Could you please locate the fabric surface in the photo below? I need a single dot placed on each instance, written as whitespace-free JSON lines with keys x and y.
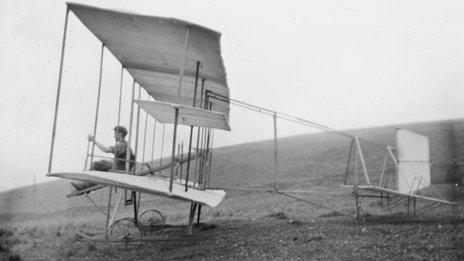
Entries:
{"x":152,"y":50}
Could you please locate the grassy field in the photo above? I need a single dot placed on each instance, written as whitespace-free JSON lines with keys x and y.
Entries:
{"x":262,"y":225}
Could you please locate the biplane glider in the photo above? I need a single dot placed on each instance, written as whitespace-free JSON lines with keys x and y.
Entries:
{"x":177,"y":63}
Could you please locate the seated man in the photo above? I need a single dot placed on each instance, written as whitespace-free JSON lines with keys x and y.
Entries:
{"x":119,"y":161}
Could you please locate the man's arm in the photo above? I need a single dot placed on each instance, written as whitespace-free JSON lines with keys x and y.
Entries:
{"x":99,"y":145}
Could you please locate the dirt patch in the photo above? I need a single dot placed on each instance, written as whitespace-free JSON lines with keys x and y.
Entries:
{"x":272,"y":238}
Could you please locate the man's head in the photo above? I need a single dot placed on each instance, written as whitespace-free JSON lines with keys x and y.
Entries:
{"x":120,"y":133}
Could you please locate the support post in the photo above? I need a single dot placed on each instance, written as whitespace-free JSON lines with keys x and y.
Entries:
{"x":275,"y":152}
{"x":153,"y":146}
{"x":120,"y":95}
{"x":115,"y":209}
{"x":35,"y":198}
{"x":108,"y":210}
{"x":130,"y":128}
{"x":356,"y":168}
{"x":363,"y":163}
{"x":145,"y":136}
{"x":348,"y":162}
{"x":173,"y":157}
{"x":199,"y":214}
{"x":137,"y":127}
{"x":193,"y":207}
{"x":162,"y":146}
{"x":58,"y":91}
{"x":98,"y":101}
{"x":134,"y":202}
{"x":197,"y":160}
{"x":383,"y":169}
{"x":187,"y":174}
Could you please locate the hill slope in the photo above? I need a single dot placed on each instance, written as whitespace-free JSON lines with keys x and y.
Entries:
{"x":306,"y":161}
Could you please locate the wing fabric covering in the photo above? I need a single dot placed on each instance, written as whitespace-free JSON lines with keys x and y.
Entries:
{"x":150,"y":185}
{"x":152,"y":50}
{"x":164,"y":113}
{"x":413,"y":161}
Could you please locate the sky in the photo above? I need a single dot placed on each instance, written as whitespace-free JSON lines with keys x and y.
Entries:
{"x":344,"y":64}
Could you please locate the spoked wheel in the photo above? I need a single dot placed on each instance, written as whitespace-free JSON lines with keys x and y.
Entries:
{"x":152,"y":220}
{"x":124,"y":235}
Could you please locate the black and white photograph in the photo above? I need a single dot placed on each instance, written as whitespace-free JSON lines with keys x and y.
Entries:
{"x":231,"y":130}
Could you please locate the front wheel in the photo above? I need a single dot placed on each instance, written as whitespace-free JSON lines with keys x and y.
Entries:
{"x":152,"y":220}
{"x":125,"y":235}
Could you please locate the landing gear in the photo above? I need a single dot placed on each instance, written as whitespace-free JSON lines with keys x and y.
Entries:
{"x":152,"y":221}
{"x":125,"y":235}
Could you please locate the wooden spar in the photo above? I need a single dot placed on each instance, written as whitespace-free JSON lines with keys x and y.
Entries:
{"x":275,"y":151}
{"x":383,"y":169}
{"x":363,"y":163}
{"x":145,"y":134}
{"x":395,"y":163}
{"x":35,"y":197}
{"x":134,"y":203}
{"x":116,"y":208}
{"x":191,"y":127}
{"x":110,"y":189}
{"x":177,"y":164}
{"x":184,"y":61}
{"x":356,"y":177}
{"x":162,"y":145}
{"x":207,"y":151}
{"x":204,"y":150}
{"x":130,"y":128}
{"x":210,"y":158}
{"x":348,"y":162}
{"x":198,"y":135}
{"x":181,"y":157}
{"x":98,"y":102}
{"x":176,"y":118}
{"x":193,"y":207}
{"x":392,"y":155}
{"x":87,"y":154}
{"x":120,"y":95}
{"x":153,"y":145}
{"x":137,"y":127}
{"x":58,"y":91}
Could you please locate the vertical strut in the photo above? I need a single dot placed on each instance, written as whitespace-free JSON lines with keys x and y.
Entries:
{"x":363,"y":163}
{"x":191,"y":128}
{"x":173,"y":156}
{"x":153,"y":146}
{"x":120,"y":95}
{"x":58,"y":91}
{"x":98,"y":102}
{"x":162,"y":147}
{"x":197,"y":160}
{"x":130,"y":128}
{"x":348,"y":162}
{"x":110,"y":191}
{"x":275,"y":151}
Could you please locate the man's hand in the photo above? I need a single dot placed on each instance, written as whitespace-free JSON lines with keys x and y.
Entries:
{"x":91,"y":138}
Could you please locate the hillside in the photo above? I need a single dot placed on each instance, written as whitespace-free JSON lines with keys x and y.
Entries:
{"x":306,"y":161}
{"x":260,"y":225}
